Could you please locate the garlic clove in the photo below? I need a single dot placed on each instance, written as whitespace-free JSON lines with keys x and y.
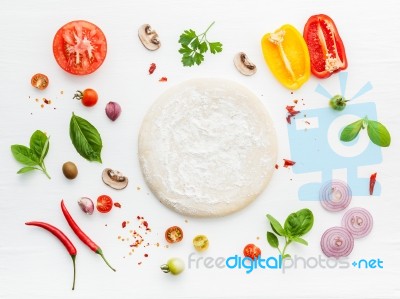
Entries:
{"x":86,"y":205}
{"x":113,"y":110}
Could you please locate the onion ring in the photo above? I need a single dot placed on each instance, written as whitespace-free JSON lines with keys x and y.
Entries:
{"x":335,"y":195}
{"x":358,"y":221}
{"x":337,"y":242}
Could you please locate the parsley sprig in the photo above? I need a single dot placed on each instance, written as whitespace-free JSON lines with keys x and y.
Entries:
{"x":193,"y":46}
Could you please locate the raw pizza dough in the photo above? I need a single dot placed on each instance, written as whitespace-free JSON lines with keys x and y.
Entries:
{"x":207,"y":147}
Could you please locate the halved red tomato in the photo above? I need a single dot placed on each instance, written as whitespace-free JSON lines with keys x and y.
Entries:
{"x":79,"y":47}
{"x":327,"y":54}
{"x":174,"y":234}
{"x":251,"y":251}
{"x":104,"y":204}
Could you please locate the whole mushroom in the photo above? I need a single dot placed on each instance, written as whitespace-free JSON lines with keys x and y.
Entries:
{"x":114,"y":179}
{"x":149,"y":37}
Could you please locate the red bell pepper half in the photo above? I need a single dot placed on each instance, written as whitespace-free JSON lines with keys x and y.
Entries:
{"x":327,"y":54}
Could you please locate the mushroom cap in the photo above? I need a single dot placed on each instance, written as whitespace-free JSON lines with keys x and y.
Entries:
{"x":244,"y":65}
{"x":149,"y":37}
{"x":114,"y":179}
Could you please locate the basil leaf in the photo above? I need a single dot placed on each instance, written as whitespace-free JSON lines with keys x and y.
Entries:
{"x":276,"y":225}
{"x":37,"y":144}
{"x":27,"y":169}
{"x":24,"y":155}
{"x":272,"y":240}
{"x":299,"y":223}
{"x":300,"y":240}
{"x":85,"y":138}
{"x":351,"y":131}
{"x":378,"y":133}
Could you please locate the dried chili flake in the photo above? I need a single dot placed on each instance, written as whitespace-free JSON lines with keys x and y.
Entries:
{"x":123,"y":224}
{"x":163,"y":79}
{"x":276,"y":166}
{"x":295,"y":101}
{"x":307,"y":122}
{"x":372,"y":181}
{"x":288,"y":163}
{"x":288,"y":119}
{"x":152,"y":68}
{"x":117,"y":204}
{"x":291,"y":113}
{"x":146,"y":255}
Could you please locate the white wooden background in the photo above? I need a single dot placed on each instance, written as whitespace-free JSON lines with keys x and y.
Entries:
{"x":34,"y":265}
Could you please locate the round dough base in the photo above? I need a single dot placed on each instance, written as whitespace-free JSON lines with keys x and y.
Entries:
{"x":207,"y":147}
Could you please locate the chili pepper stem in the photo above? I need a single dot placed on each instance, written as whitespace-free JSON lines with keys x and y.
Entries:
{"x":73,"y":262}
{"x":100,"y":252}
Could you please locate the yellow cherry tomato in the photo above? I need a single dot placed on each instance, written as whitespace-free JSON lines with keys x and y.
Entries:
{"x":286,"y":54}
{"x":200,"y":243}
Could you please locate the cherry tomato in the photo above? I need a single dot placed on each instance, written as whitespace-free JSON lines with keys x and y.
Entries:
{"x":174,"y":266}
{"x":174,"y":234}
{"x":104,"y":204}
{"x":88,"y":97}
{"x":40,"y":81}
{"x":79,"y":47}
{"x":251,"y":251}
{"x":200,"y":243}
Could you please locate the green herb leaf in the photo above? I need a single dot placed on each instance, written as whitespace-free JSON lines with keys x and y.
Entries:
{"x":187,"y":36}
{"x":272,"y":240}
{"x":299,"y":223}
{"x":378,"y":133}
{"x":85,"y":138}
{"x":193,"y":46}
{"x":276,"y":225}
{"x":351,"y":131}
{"x":286,"y":256}
{"x":300,"y":240}
{"x":27,"y":169}
{"x":24,"y":155}
{"x":37,"y":144}
{"x":187,"y":60}
{"x":215,"y":47}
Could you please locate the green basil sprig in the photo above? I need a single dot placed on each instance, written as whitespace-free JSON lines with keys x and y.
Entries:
{"x":377,"y":132}
{"x":85,"y":138}
{"x":296,"y":225}
{"x":32,"y":157}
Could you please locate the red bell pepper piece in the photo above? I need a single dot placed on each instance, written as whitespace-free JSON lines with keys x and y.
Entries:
{"x":327,"y":53}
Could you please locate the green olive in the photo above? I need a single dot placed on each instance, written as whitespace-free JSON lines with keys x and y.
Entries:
{"x":70,"y":170}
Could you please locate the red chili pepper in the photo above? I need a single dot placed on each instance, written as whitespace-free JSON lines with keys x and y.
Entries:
{"x":163,"y":79}
{"x":152,"y":68}
{"x":372,"y":181}
{"x":62,"y":237}
{"x":81,"y":235}
{"x":327,"y":53}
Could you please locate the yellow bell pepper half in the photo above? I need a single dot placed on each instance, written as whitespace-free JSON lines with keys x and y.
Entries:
{"x":286,"y":54}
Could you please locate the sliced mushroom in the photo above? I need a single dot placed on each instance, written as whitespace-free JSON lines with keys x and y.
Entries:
{"x":244,"y":65}
{"x":149,"y":37}
{"x":114,"y":179}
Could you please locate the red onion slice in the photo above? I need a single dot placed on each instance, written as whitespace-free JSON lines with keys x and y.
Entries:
{"x":337,"y":242}
{"x":335,"y":195}
{"x":358,"y":221}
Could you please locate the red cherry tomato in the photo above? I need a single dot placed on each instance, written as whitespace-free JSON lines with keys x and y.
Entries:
{"x":174,"y":234}
{"x":327,"y":53}
{"x":40,"y":81}
{"x":88,"y":97}
{"x":251,"y":251}
{"x":79,"y":47}
{"x":104,"y":204}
